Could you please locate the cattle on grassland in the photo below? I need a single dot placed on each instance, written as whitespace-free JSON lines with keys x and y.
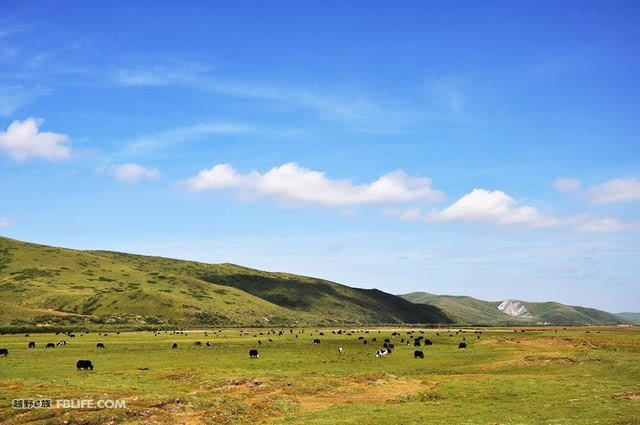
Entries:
{"x":100,"y":345}
{"x":197,"y":343}
{"x":462,"y":345}
{"x":382,"y":353}
{"x":175,"y":345}
{"x":50,"y":345}
{"x":32,"y":344}
{"x":418,"y":354}
{"x":416,"y":343}
{"x":428,"y":342}
{"x":4,"y":351}
{"x":253,"y":354}
{"x":84,"y":365}
{"x":316,"y":341}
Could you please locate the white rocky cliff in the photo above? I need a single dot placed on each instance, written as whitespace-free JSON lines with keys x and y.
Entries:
{"x":514,"y":308}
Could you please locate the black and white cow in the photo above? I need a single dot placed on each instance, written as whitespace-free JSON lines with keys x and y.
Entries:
{"x":253,"y":354}
{"x":382,"y":353}
{"x":32,"y":344}
{"x":316,"y":341}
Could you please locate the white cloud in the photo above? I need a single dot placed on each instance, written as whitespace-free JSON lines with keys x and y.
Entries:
{"x":493,"y":207}
{"x":5,"y":222}
{"x":23,"y":140}
{"x":566,"y":184}
{"x":130,"y":173}
{"x":617,"y":190}
{"x":499,"y":209}
{"x":291,"y":184}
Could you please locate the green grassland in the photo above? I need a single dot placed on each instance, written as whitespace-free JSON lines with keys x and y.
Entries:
{"x":48,"y":286}
{"x":555,"y":376}
{"x":470,"y":310}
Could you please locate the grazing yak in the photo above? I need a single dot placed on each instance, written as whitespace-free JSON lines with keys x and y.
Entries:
{"x":253,"y":354}
{"x":175,"y":345}
{"x":418,"y":354}
{"x":84,"y":364}
{"x":50,"y":345}
{"x":197,"y":343}
{"x":462,"y":345}
{"x":416,"y":343}
{"x":208,"y":344}
{"x":316,"y":341}
{"x":100,"y":345}
{"x":382,"y":353}
{"x":61,"y":343}
{"x":428,"y":342}
{"x":4,"y":351}
{"x":32,"y":344}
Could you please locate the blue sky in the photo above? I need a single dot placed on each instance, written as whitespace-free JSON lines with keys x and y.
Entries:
{"x":483,"y":148}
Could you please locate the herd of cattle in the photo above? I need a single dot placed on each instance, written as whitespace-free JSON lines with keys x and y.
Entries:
{"x":386,"y":349}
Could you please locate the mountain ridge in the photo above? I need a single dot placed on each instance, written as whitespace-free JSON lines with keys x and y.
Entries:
{"x":469,"y":310}
{"x":43,"y":285}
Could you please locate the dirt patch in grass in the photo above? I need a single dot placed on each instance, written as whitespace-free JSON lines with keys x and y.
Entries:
{"x":630,"y":396}
{"x":549,"y":359}
{"x":387,"y":388}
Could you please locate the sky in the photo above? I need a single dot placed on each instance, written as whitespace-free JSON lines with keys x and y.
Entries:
{"x":489,"y":149}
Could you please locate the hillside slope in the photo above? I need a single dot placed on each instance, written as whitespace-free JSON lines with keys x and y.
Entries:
{"x":47,"y":285}
{"x":632,"y":317}
{"x":468,"y":310}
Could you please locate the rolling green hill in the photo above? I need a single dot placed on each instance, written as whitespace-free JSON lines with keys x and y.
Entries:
{"x":42,"y":285}
{"x":468,"y":310}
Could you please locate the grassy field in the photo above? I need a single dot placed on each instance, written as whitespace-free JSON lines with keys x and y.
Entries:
{"x":578,"y":375}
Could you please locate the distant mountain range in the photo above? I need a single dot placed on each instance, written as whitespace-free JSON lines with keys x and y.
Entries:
{"x":468,"y":310}
{"x":43,"y":285}
{"x":632,"y":317}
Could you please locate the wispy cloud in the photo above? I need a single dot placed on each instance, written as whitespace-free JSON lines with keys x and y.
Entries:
{"x":23,"y":140}
{"x":341,"y":103}
{"x":332,"y":103}
{"x":181,"y":134}
{"x":15,"y":96}
{"x":616,"y":190}
{"x":587,"y":224}
{"x":566,"y":184}
{"x":130,"y":173}
{"x":293,"y":185}
{"x":5,"y":222}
